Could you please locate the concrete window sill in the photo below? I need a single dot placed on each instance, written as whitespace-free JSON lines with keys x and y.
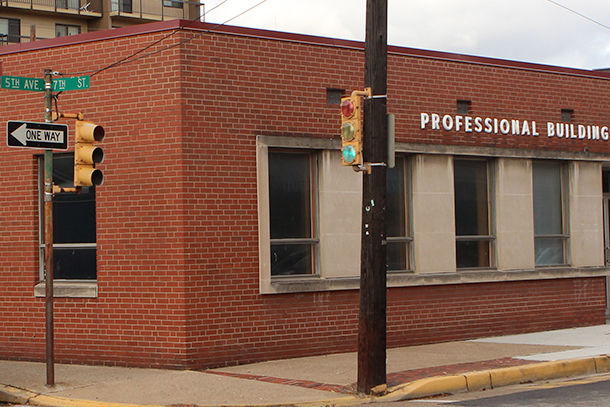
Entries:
{"x":408,"y":279}
{"x":69,"y":289}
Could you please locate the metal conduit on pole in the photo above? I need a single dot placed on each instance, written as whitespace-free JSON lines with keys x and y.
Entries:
{"x":48,"y":234}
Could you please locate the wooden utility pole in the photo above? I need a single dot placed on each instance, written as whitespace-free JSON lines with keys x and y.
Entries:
{"x":372,"y":323}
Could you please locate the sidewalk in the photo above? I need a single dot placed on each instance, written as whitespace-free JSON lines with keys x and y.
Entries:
{"x":415,"y":371}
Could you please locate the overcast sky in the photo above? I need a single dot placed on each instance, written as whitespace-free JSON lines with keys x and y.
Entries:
{"x":522,"y":30}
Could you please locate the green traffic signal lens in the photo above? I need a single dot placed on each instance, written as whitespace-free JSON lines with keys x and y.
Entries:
{"x":347,"y":131}
{"x":349,"y":154}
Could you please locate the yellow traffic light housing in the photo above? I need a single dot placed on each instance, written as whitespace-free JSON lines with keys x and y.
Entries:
{"x":87,"y":154}
{"x":352,"y":127}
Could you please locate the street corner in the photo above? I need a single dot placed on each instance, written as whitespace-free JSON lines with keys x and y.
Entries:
{"x":430,"y":386}
{"x":19,"y":396}
{"x":54,"y":401}
{"x":15,"y":395}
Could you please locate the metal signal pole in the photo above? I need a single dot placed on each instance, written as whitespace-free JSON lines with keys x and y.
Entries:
{"x":48,"y":234}
{"x":372,"y":323}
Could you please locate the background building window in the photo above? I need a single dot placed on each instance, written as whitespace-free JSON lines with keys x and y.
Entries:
{"x":74,"y":236}
{"x":549,"y":213}
{"x":292,"y":209}
{"x":173,"y":3}
{"x":62,"y":30}
{"x":10,"y":30}
{"x":122,"y":6}
{"x":474,"y":239}
{"x":398,"y":257}
{"x":68,"y":4}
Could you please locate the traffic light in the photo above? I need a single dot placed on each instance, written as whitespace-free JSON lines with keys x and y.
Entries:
{"x":351,"y":128}
{"x":87,"y":154}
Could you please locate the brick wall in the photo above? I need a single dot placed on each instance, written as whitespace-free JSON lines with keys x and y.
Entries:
{"x":138,"y":317}
{"x":443,"y":313}
{"x":177,"y":214}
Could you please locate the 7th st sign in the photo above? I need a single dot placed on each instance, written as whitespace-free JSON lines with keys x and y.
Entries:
{"x":37,"y":135}
{"x":36,"y":84}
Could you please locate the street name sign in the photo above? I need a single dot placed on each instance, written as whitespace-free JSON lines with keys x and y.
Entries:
{"x":74,"y":83}
{"x":36,"y":84}
{"x":37,"y":135}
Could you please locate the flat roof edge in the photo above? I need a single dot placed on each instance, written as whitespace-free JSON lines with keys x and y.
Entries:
{"x":91,"y":36}
{"x":397,"y":50}
{"x":292,"y":37}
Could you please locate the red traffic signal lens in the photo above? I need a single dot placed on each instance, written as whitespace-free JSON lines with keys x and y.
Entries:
{"x":347,"y":108}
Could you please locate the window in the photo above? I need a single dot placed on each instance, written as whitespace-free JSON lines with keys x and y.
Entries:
{"x":567,"y":115}
{"x":550,"y":233}
{"x":292,"y":211}
{"x":398,"y":257}
{"x":122,"y":6}
{"x":74,"y":237}
{"x":173,"y":3}
{"x":463,"y":106}
{"x":62,"y":30}
{"x":10,"y":30}
{"x":68,"y":4}
{"x":474,"y":239}
{"x":333,"y":96}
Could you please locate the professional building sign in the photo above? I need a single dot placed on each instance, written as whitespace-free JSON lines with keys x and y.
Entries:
{"x":490,"y":125}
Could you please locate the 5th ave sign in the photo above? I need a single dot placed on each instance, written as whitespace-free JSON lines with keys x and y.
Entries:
{"x":37,"y":135}
{"x":36,"y":84}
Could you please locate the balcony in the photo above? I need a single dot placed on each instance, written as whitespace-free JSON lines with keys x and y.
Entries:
{"x":6,"y":39}
{"x":149,"y":10}
{"x":87,"y":8}
{"x":154,"y":10}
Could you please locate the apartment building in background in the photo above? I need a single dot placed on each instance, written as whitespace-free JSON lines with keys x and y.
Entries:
{"x":25,"y":20}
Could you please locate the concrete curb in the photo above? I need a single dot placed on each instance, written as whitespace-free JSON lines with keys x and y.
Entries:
{"x":14,"y":395}
{"x":10,"y":394}
{"x":489,"y":379}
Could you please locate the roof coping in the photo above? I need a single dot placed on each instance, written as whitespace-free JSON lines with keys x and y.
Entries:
{"x":292,"y":37}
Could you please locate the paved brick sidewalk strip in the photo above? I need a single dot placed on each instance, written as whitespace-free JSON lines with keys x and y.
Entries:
{"x":393,"y":379}
{"x":337,"y":388}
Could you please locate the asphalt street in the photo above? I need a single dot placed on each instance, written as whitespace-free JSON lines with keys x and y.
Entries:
{"x":595,"y":394}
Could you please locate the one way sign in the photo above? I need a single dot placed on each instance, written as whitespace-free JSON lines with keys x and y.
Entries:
{"x":37,"y":135}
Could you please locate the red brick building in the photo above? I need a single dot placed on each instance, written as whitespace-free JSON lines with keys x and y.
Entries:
{"x":227,"y":230}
